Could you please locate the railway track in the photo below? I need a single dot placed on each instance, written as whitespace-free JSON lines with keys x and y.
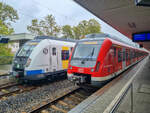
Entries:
{"x":63,"y":103}
{"x":71,"y":99}
{"x":6,"y":74}
{"x":8,"y":85}
{"x":13,"y":88}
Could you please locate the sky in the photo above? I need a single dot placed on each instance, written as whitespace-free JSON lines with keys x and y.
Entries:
{"x":64,"y":11}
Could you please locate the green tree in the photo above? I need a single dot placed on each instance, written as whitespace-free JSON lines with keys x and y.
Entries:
{"x":47,"y":26}
{"x":7,"y":15}
{"x":94,"y":26}
{"x":88,"y":27}
{"x":67,"y":31}
{"x":76,"y":32}
{"x":83,"y":28}
{"x":4,"y":29}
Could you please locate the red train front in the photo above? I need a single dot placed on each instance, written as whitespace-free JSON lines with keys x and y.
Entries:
{"x":101,"y":57}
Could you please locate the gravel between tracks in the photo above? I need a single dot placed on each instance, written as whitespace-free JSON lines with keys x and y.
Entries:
{"x":25,"y":101}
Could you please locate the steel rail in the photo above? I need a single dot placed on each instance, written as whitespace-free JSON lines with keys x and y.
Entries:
{"x":45,"y":104}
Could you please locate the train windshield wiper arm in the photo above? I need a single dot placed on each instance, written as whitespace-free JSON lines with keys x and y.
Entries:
{"x":88,"y":56}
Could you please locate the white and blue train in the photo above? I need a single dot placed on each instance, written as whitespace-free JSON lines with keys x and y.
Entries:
{"x":42,"y":58}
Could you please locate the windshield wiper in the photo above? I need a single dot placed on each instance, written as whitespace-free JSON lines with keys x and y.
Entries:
{"x":88,"y":56}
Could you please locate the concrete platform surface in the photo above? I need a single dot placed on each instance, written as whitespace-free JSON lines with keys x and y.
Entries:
{"x":98,"y":102}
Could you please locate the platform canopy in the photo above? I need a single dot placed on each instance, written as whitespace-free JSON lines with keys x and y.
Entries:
{"x":123,"y":15}
{"x":20,"y":36}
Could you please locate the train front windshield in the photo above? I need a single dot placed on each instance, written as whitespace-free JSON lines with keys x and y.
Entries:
{"x":85,"y":54}
{"x":26,"y":50}
{"x":85,"y":51}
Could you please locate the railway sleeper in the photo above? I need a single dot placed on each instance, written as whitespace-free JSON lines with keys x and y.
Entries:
{"x":66,"y":104}
{"x":76,"y":98}
{"x":58,"y":109}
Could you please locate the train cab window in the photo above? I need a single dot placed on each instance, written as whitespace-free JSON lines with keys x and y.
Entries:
{"x":65,"y":54}
{"x":54,"y":51}
{"x":119,"y":56}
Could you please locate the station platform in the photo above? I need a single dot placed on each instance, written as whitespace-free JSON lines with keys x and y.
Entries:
{"x":128,"y":93}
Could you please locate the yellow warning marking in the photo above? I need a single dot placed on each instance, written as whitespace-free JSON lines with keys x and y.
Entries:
{"x":33,"y":43}
{"x":89,"y":42}
{"x":65,"y":62}
{"x":65,"y":48}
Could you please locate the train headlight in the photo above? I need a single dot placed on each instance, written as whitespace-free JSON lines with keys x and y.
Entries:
{"x":28,"y":62}
{"x":92,"y":70}
{"x":70,"y":67}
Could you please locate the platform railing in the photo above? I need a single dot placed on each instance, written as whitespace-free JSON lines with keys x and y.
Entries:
{"x":115,"y":104}
{"x":122,"y":95}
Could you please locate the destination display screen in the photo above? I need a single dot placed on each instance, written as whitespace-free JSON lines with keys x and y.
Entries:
{"x":141,"y":37}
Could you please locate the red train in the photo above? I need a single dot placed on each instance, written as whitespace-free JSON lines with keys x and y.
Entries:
{"x":100,"y":57}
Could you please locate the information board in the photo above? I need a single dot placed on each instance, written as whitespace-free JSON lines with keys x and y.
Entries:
{"x":141,"y":37}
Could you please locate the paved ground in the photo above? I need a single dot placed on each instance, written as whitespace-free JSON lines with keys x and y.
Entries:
{"x":142,"y":90}
{"x":97,"y":103}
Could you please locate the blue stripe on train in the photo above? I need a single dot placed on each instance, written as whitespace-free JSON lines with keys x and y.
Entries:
{"x":34,"y":72}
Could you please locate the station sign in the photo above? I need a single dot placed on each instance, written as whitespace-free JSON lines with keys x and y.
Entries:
{"x":141,"y":37}
{"x":4,"y":39}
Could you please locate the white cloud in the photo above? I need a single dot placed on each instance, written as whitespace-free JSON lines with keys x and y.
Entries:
{"x":65,"y":12}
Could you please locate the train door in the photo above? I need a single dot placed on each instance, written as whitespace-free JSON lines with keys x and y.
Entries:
{"x":114,"y":59}
{"x":119,"y":64}
{"x":130,"y":56}
{"x":54,"y":58}
{"x":65,"y":57}
{"x":124,"y":58}
{"x":127,"y":57}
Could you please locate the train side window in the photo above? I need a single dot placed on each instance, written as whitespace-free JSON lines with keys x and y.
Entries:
{"x":65,"y":54}
{"x":124,"y":55}
{"x":119,"y":56}
{"x":54,"y":51}
{"x":133,"y":54}
{"x":114,"y":51}
{"x":130,"y":55}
